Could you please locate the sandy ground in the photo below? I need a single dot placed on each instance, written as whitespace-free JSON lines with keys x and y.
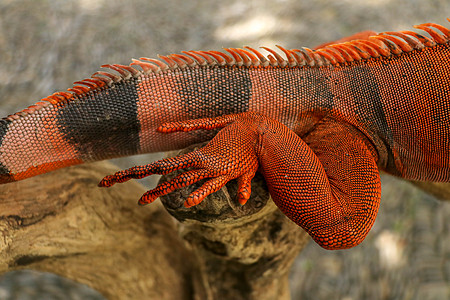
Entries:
{"x":46,"y":45}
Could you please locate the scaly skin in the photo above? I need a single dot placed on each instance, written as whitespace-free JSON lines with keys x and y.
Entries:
{"x":317,"y":124}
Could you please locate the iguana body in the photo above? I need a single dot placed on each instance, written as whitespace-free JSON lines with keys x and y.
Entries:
{"x":317,"y":124}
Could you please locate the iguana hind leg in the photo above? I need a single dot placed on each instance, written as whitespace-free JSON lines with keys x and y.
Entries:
{"x":330,"y":187}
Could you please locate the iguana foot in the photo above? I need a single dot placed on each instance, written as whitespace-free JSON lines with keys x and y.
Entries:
{"x":229,"y":155}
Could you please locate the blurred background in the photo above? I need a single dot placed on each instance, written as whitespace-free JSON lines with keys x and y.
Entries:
{"x":45,"y":45}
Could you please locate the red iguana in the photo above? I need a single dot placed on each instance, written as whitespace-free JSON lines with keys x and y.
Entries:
{"x":318,"y":124}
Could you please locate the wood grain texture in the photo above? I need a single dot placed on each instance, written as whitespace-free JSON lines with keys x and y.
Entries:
{"x":62,"y":223}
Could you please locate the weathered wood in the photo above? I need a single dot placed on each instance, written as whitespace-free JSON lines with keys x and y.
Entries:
{"x":62,"y":223}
